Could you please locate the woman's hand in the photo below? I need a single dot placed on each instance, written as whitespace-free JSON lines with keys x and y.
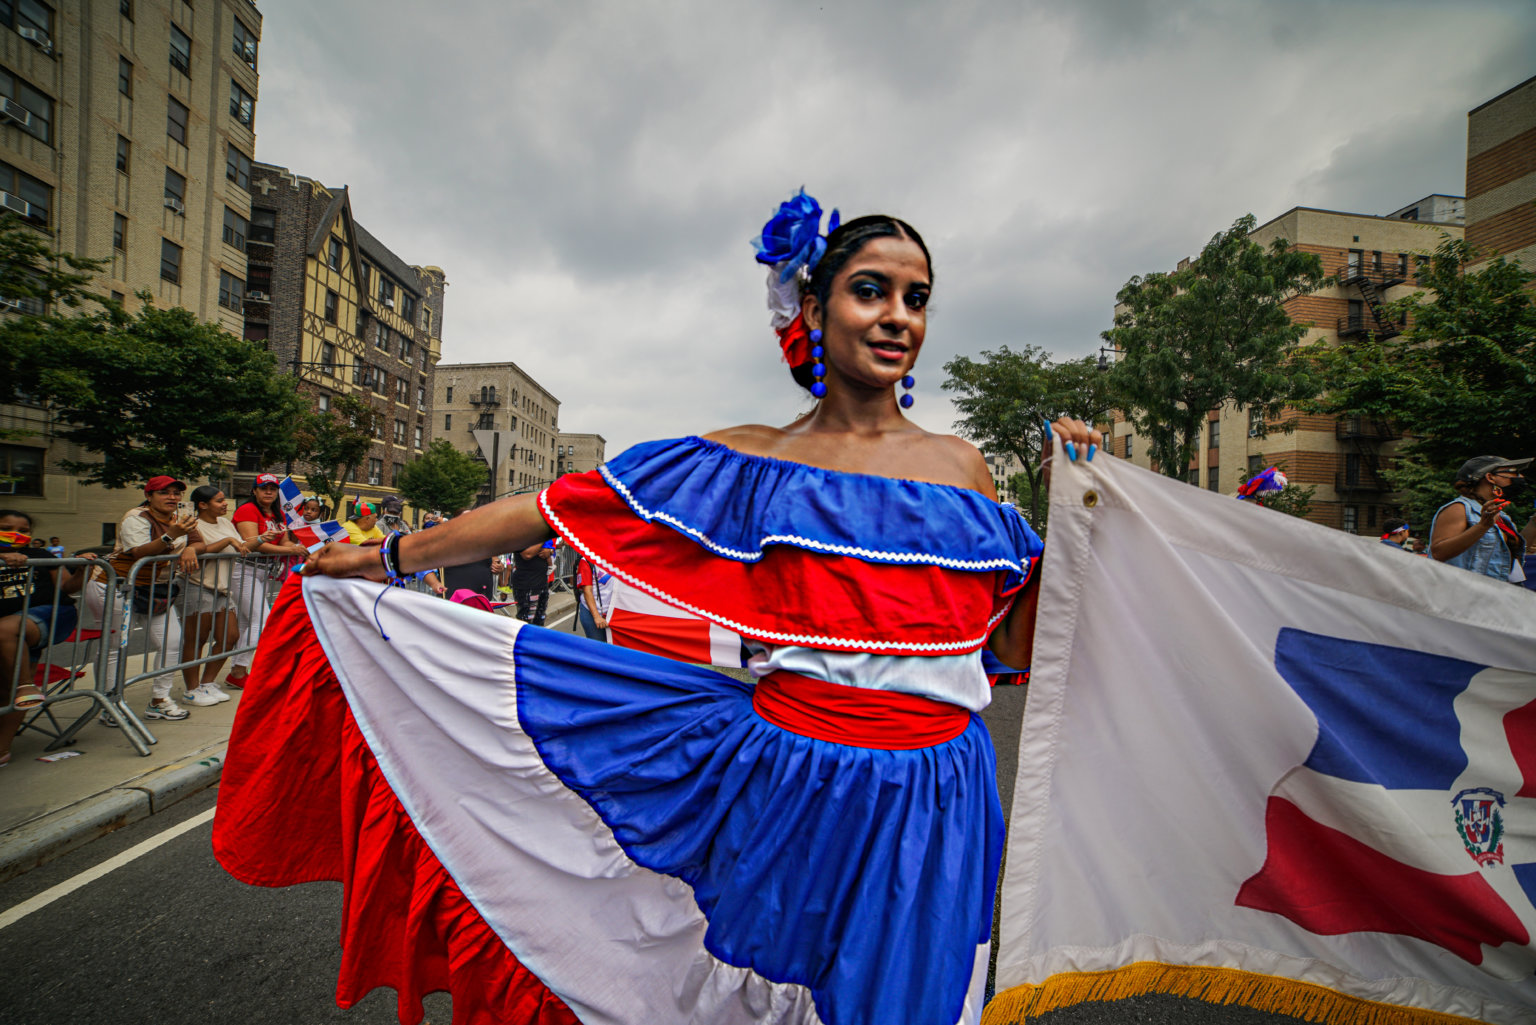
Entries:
{"x":1491,"y":510}
{"x":298,"y":550}
{"x":188,"y":560}
{"x":181,"y":526}
{"x":1078,"y":439}
{"x":343,"y":560}
{"x":13,"y":559}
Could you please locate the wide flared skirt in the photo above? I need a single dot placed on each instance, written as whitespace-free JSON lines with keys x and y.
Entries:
{"x":555,"y":830}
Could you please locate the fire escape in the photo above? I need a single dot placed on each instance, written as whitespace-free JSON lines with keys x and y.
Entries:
{"x":1368,"y":314}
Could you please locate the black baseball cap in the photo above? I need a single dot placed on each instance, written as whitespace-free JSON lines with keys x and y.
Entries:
{"x":1478,"y":467}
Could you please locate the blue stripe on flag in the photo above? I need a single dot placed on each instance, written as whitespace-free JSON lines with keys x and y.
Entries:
{"x":1384,"y":715}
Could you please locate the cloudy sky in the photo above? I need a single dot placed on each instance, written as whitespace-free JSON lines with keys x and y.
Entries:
{"x":588,"y":172}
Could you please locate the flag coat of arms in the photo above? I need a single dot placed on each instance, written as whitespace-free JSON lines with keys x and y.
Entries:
{"x":1271,"y":764}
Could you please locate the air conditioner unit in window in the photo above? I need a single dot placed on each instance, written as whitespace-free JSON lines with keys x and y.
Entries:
{"x":172,"y":203}
{"x":37,"y":37}
{"x":7,"y":487}
{"x":15,"y":203}
{"x":389,"y":304}
{"x":257,"y":296}
{"x":14,"y":305}
{"x":16,"y":113}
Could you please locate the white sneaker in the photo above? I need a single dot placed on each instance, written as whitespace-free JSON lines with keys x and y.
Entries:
{"x":215,"y":690}
{"x":166,"y":709}
{"x":201,"y":697}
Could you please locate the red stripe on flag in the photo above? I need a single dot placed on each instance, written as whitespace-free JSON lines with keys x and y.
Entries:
{"x":680,"y":638}
{"x":1520,"y":731}
{"x":1329,"y":883}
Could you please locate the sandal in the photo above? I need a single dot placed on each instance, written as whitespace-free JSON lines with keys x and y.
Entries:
{"x":29,"y":695}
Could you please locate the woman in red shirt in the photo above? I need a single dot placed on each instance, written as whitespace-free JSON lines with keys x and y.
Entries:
{"x":261,"y":516}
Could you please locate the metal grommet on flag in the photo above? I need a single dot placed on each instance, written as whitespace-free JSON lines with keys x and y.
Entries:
{"x":1090,"y":498}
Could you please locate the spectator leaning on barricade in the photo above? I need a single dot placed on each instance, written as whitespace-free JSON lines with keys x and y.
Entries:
{"x":264,"y":529}
{"x":206,"y":609}
{"x":49,"y":618}
{"x":1474,"y":531}
{"x":154,"y":528}
{"x":594,"y":598}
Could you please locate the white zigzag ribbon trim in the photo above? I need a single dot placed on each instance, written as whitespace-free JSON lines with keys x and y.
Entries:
{"x":804,"y":640}
{"x":798,"y":541}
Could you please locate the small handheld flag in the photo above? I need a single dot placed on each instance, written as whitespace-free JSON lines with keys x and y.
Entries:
{"x":1270,"y":480}
{"x":293,"y":503}
{"x":318,"y":535}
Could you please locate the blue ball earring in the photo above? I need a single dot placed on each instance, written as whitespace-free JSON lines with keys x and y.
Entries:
{"x":907,"y":383}
{"x":819,"y":370}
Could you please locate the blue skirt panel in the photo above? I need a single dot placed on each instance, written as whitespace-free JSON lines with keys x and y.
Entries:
{"x":865,"y":875}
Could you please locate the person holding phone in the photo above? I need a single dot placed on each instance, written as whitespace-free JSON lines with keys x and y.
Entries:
{"x":264,"y":529}
{"x":1482,"y":537}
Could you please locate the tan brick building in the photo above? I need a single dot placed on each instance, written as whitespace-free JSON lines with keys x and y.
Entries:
{"x":126,"y":133}
{"x":578,"y":453}
{"x":500,"y":397}
{"x":1372,"y":261}
{"x":345,"y":315}
{"x":1501,"y":174}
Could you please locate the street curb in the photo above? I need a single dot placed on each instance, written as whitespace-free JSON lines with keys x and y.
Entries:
{"x":41,"y":840}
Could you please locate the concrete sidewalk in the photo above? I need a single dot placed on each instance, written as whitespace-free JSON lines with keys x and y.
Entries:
{"x":48,"y":808}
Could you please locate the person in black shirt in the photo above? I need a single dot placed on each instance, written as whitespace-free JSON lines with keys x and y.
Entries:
{"x":530,"y":582}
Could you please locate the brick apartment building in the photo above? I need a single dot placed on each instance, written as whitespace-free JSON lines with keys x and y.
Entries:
{"x":1501,"y":174}
{"x":500,"y":397}
{"x":344,"y":314}
{"x":1372,"y":260}
{"x":578,"y":453}
{"x":127,"y":129}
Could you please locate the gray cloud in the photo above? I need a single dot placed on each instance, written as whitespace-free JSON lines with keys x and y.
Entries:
{"x":588,"y":173}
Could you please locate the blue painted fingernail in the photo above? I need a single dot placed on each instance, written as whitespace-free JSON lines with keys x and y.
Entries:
{"x":1091,"y":450}
{"x":1047,"y":430}
{"x":1071,"y":451}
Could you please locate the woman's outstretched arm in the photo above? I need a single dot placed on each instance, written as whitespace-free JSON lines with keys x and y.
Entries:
{"x":508,"y":525}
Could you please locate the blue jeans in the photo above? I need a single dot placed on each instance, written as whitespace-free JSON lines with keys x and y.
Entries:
{"x":589,"y":624}
{"x":62,"y":628}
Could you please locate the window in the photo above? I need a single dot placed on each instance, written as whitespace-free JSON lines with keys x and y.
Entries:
{"x":1351,"y":518}
{"x":408,"y":307}
{"x":1128,"y":446}
{"x":1402,"y":265}
{"x":418,"y":435}
{"x":448,"y":397}
{"x":242,"y":105}
{"x":35,"y":116}
{"x":176,"y":119}
{"x":381,"y":337}
{"x":231,"y":291}
{"x":426,"y":319}
{"x":120,"y":233}
{"x":367,"y":275}
{"x":376,"y":472}
{"x":323,"y":403}
{"x":170,"y":261}
{"x":181,"y":51}
{"x":125,"y":77}
{"x":405,"y":348}
{"x":258,"y":278}
{"x":24,"y":469}
{"x":328,"y":358}
{"x":126,"y":8}
{"x":1193,"y":476}
{"x":25,"y":195}
{"x":1212,"y":479}
{"x":394,"y":480}
{"x":387,"y":291}
{"x":1255,"y":464}
{"x":118,"y":297}
{"x":1370,"y":516}
{"x":175,"y":191}
{"x":399,"y":432}
{"x":421,"y":397}
{"x":333,"y":253}
{"x":1215,"y":434}
{"x":402,"y":391}
{"x":263,"y":225}
{"x":122,"y":154}
{"x":380,"y":386}
{"x":245,"y":44}
{"x":447,"y":421}
{"x":331,"y":300}
{"x":235,"y":229}
{"x":237,"y":168}
{"x":1255,"y":421}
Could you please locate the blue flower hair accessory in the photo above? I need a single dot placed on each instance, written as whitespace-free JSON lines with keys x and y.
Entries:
{"x":792,"y":238}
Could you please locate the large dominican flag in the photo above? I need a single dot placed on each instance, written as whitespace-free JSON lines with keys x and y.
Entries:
{"x":1271,"y":764}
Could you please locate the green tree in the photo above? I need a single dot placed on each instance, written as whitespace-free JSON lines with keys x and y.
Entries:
{"x":333,"y":443}
{"x":151,"y":392}
{"x":1459,"y":381}
{"x":443,"y":478}
{"x":1006,"y":398}
{"x":1213,"y":333}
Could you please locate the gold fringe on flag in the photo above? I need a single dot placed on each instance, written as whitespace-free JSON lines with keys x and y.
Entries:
{"x":1271,"y":993}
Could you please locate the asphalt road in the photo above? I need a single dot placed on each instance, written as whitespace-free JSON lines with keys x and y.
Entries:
{"x":169,"y":938}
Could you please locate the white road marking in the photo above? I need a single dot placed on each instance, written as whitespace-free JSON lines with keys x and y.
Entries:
{"x":90,"y":875}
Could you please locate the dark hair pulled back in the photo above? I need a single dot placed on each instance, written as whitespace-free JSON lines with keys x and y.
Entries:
{"x":203,"y":493}
{"x":843,"y":245}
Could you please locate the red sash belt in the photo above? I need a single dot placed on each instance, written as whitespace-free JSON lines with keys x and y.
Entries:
{"x":856,"y":716}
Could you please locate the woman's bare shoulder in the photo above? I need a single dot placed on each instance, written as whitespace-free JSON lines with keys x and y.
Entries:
{"x":752,"y":439}
{"x":966,"y":458}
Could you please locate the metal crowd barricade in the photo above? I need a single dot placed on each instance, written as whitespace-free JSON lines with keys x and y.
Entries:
{"x":159,"y":636}
{"x":60,"y":670}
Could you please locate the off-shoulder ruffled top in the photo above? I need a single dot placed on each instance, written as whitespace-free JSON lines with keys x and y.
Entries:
{"x":790,"y":554}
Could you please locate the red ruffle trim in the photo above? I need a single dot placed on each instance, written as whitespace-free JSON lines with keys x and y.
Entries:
{"x":302,"y":799}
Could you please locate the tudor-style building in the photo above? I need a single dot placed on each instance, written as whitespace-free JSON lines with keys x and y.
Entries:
{"x":344,"y":314}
